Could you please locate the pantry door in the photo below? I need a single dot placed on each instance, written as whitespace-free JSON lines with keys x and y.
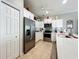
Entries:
{"x":10,"y":31}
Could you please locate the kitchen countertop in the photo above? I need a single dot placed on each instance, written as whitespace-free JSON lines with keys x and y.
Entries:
{"x":63,"y":35}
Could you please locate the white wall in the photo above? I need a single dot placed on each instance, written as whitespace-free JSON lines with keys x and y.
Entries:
{"x":73,"y":16}
{"x":19,"y":5}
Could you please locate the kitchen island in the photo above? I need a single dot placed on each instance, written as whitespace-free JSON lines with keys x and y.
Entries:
{"x":67,"y":48}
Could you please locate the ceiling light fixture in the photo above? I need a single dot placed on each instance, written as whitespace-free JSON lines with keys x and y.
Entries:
{"x":42,"y":8}
{"x":64,"y":1}
{"x":47,"y":12}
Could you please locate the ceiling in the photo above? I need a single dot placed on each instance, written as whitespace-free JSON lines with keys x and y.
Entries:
{"x":54,"y":7}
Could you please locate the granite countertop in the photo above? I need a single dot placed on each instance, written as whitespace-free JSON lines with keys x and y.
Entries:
{"x":64,"y":35}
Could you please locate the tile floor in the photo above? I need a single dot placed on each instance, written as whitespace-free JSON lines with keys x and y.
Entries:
{"x":42,"y":50}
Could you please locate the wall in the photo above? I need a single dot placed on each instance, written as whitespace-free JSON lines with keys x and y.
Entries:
{"x":73,"y":16}
{"x":19,"y":5}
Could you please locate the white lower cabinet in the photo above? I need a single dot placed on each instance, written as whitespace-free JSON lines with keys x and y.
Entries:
{"x":9,"y":46}
{"x":38,"y":36}
{"x":53,"y":36}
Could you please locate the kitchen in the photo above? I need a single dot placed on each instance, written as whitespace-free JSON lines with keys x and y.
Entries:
{"x":39,"y":29}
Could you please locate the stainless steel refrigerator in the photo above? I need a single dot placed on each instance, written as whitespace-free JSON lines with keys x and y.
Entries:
{"x":29,"y":34}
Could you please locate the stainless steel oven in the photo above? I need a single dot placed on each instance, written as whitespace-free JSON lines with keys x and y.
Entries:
{"x":47,"y":32}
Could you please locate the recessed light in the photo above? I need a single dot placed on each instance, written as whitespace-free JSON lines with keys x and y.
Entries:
{"x":42,"y":8}
{"x":64,"y":1}
{"x":47,"y":12}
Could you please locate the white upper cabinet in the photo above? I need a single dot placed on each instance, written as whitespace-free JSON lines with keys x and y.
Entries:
{"x":39,"y":24}
{"x":57,"y":23}
{"x":28,"y":14}
{"x":48,"y":20}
